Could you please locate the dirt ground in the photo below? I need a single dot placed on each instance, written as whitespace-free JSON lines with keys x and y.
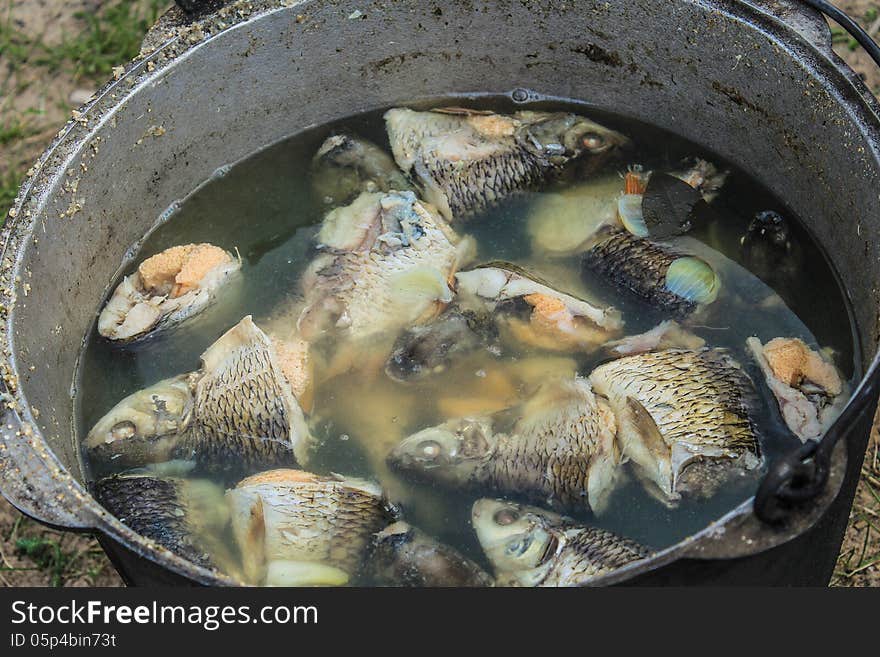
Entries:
{"x":53,"y":55}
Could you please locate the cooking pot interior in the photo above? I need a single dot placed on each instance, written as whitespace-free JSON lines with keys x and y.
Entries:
{"x":689,"y":67}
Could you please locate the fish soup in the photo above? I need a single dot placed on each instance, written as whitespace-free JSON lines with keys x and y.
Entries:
{"x":510,"y":344}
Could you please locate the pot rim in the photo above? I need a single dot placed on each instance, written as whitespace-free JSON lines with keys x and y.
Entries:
{"x":20,"y":425}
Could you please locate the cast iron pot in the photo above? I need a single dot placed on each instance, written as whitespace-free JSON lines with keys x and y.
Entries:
{"x":754,"y":80}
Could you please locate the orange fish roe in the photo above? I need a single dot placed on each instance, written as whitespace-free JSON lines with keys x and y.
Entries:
{"x":792,"y":362}
{"x":179,"y":269}
{"x":280,"y":476}
{"x":550,"y":314}
{"x":296,"y":365}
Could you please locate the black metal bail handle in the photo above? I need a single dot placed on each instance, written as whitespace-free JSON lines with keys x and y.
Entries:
{"x":802,"y":474}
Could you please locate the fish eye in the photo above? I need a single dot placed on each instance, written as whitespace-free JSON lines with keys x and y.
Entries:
{"x":123,"y":430}
{"x":506,"y":516}
{"x":593,"y":141}
{"x":430,"y":449}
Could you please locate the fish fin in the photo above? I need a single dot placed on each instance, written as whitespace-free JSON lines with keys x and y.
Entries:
{"x":656,"y":454}
{"x":605,"y":475}
{"x":461,"y":111}
{"x":431,"y":191}
{"x":243,"y":333}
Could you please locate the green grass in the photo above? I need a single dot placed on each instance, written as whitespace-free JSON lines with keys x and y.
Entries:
{"x":58,"y":563}
{"x":14,"y":129}
{"x":15,"y":48}
{"x":9,"y":184}
{"x":47,"y":555}
{"x":109,"y":37}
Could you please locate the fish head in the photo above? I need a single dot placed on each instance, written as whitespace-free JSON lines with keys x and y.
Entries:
{"x":451,"y":453}
{"x":518,"y":540}
{"x":145,"y":427}
{"x":427,"y":348}
{"x":562,"y":137}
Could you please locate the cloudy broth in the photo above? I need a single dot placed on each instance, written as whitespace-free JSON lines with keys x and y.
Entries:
{"x":263,"y":207}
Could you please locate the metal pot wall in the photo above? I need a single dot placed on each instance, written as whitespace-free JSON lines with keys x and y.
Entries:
{"x":754,"y":80}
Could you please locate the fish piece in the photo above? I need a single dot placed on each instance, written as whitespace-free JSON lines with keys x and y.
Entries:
{"x":386,"y":262}
{"x":237,"y":412}
{"x":662,"y":204}
{"x":653,"y":272}
{"x":552,"y":319}
{"x":183,"y":515}
{"x":685,"y":417}
{"x":167,"y":288}
{"x":703,"y":176}
{"x":402,"y":555}
{"x":296,"y":528}
{"x":561,"y":223}
{"x":566,"y":222}
{"x":501,"y":299}
{"x":667,"y":334}
{"x":558,"y":447}
{"x":428,"y":348}
{"x":667,"y":204}
{"x":346,"y":165}
{"x":528,"y":546}
{"x":807,"y":386}
{"x":466,"y":160}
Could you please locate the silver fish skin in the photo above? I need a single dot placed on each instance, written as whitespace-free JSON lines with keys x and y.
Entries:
{"x":385,"y":262}
{"x":346,"y":165}
{"x":237,"y":413}
{"x":655,"y":273}
{"x":179,"y":514}
{"x":402,"y":555}
{"x":467,"y":160}
{"x":529,"y":546}
{"x":557,"y":448}
{"x":297,"y":528}
{"x":686,"y":418}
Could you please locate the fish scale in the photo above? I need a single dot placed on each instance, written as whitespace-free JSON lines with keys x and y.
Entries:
{"x":181,"y":515}
{"x":636,"y":265}
{"x":470,"y":188}
{"x":590,"y":552}
{"x":307,"y":518}
{"x":241,"y":408}
{"x":530,"y":546}
{"x":700,"y":405}
{"x":711,"y":404}
{"x":361,"y":282}
{"x":466,"y":161}
{"x":560,"y":450}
